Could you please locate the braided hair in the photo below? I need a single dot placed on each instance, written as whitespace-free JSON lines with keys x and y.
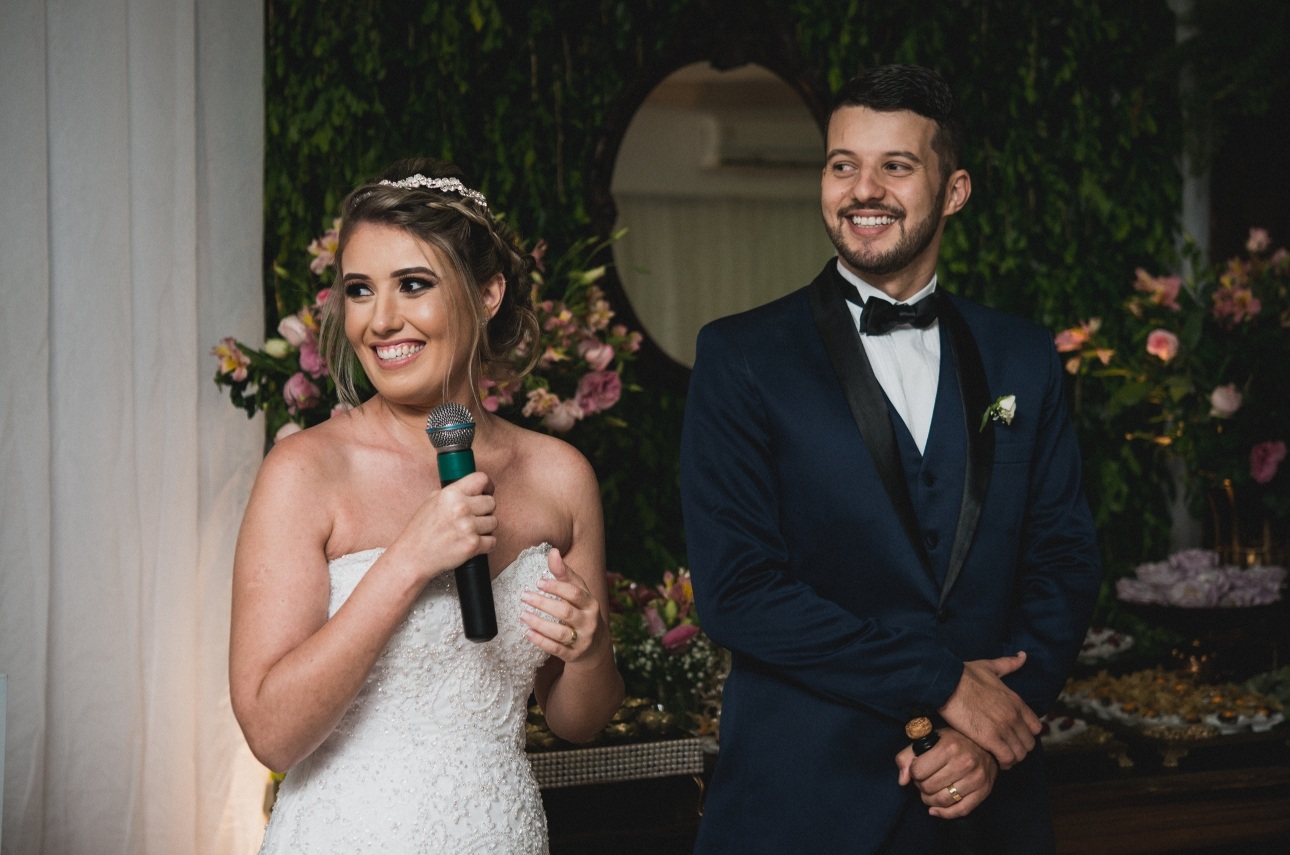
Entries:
{"x":459,"y":226}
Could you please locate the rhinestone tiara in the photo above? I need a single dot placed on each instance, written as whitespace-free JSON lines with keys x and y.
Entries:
{"x":451,"y":185}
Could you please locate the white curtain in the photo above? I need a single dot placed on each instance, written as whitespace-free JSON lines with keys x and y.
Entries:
{"x":686,"y":261}
{"x":130,"y":229}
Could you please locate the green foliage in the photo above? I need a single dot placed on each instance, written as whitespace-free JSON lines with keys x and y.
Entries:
{"x":1073,"y":132}
{"x":1235,"y":60}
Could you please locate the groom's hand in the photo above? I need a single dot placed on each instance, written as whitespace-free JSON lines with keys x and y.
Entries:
{"x":990,"y":714}
{"x":954,"y":761}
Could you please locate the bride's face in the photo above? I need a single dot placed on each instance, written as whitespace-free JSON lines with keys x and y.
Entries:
{"x":411,"y":337}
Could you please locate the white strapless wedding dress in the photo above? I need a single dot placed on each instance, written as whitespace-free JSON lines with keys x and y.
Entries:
{"x":430,"y":757}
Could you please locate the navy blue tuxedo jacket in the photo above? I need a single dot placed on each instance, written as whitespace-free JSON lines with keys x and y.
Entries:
{"x":851,"y":577}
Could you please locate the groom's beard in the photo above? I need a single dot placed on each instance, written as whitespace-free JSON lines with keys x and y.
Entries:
{"x":911,"y":244}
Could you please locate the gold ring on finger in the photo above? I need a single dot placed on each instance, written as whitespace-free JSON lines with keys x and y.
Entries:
{"x":574,"y":638}
{"x":954,"y":793}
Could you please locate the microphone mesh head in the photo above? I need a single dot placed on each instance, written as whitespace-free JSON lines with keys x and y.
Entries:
{"x":451,"y":426}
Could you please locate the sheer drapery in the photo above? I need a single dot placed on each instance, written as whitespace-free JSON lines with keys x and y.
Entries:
{"x":130,"y":230}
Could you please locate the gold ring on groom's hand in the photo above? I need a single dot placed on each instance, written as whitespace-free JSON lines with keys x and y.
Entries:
{"x":574,"y":639}
{"x":951,"y":790}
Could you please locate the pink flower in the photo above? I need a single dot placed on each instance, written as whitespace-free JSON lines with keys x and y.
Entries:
{"x":597,"y":354}
{"x":562,"y":418}
{"x":1162,"y":291}
{"x":320,"y":299}
{"x":599,"y":390}
{"x":1264,"y":460}
{"x":677,"y":592}
{"x":540,"y":403}
{"x":1235,"y":301}
{"x":679,"y":637}
{"x":1258,"y":240}
{"x":654,"y":622}
{"x":1162,"y":344}
{"x":323,"y":249}
{"x":294,"y":330}
{"x":539,"y":251}
{"x":341,"y":407}
{"x":1068,"y":341}
{"x":231,"y":359}
{"x":311,"y":360}
{"x":300,"y":393}
{"x":631,"y":340}
{"x":598,"y":312}
{"x":551,"y":356}
{"x":561,"y":321}
{"x":1224,"y":401}
{"x":502,"y":393}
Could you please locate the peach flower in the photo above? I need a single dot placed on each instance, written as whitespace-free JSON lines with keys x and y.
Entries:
{"x":1160,"y":290}
{"x":1258,"y":241}
{"x":1162,"y":344}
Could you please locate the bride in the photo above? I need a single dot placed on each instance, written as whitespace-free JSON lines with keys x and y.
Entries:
{"x":348,"y":666}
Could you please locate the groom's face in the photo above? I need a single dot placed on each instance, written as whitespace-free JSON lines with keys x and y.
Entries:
{"x":882,"y":195}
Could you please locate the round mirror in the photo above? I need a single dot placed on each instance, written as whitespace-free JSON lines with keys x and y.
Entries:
{"x":717,"y":184}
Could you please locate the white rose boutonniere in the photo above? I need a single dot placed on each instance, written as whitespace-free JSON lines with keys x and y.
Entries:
{"x":1002,"y":410}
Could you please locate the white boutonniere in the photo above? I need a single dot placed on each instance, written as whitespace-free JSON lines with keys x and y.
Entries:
{"x":1002,"y":410}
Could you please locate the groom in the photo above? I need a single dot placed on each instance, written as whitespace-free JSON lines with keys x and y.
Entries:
{"x":885,"y":520}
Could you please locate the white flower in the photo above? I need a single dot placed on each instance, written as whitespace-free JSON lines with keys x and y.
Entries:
{"x":1224,"y":401}
{"x":1003,"y":410}
{"x":278,"y":348}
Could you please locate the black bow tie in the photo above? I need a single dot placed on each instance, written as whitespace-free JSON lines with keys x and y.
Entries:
{"x":879,"y":316}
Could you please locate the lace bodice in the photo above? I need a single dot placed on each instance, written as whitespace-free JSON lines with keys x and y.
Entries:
{"x":430,"y":756}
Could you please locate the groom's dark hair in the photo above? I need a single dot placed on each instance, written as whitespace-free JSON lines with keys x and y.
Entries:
{"x":889,"y":88}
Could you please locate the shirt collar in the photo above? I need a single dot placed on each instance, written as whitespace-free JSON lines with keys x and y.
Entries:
{"x":866,"y":290}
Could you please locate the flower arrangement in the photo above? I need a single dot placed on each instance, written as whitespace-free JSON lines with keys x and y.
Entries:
{"x":1195,"y":578}
{"x":1197,"y":367}
{"x":662,"y":651}
{"x":579,"y":373}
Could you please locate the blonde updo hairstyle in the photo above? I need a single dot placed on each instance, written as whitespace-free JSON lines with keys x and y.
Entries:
{"x":468,"y":238}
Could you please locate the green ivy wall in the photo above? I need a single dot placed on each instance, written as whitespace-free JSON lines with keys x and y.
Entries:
{"x":1074,"y":132}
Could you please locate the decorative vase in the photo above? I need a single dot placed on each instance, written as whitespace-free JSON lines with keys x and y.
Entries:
{"x":1240,"y":529}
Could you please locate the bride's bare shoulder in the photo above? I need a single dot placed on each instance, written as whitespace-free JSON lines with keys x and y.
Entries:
{"x":314,"y":458}
{"x":551,"y":462}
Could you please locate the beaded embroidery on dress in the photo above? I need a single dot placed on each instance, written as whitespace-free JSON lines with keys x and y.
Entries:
{"x":430,"y":757}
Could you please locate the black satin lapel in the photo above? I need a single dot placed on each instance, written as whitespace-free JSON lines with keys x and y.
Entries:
{"x":980,"y":443}
{"x":865,"y":399}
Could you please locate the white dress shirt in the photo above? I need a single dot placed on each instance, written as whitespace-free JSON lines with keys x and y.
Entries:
{"x":906,"y":360}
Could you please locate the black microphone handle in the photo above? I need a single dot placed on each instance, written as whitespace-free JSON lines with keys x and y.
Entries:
{"x":474,"y":579}
{"x":475,"y":591}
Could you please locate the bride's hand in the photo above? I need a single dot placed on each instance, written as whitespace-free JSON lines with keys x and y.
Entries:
{"x":579,"y":628}
{"x":453,"y":525}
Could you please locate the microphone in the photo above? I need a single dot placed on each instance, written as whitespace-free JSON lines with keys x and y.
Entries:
{"x":452,"y":429}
